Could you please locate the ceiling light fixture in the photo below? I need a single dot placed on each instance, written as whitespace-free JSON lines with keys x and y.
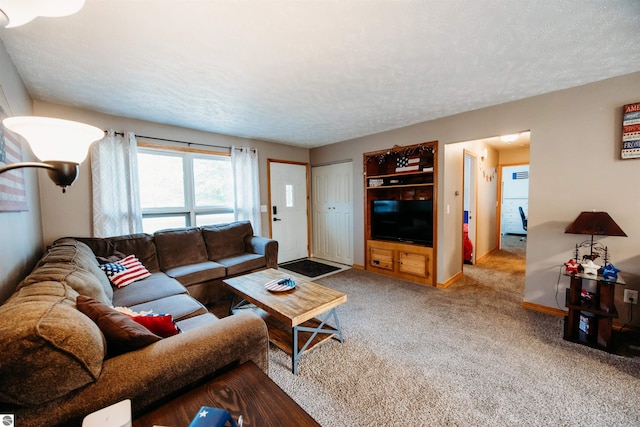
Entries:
{"x":14,"y":13}
{"x":60,"y":145}
{"x":509,"y":138}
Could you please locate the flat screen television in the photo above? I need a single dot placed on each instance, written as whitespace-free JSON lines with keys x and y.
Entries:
{"x":408,"y":221}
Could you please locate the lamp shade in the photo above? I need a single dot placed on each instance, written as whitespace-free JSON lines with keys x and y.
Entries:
{"x":20,"y":12}
{"x":55,"y":139}
{"x":594,"y":223}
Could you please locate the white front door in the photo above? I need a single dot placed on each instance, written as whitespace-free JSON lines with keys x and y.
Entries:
{"x":332,"y":191}
{"x":289,"y":201}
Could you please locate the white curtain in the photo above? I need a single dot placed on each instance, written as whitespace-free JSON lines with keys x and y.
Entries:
{"x":244,"y":162}
{"x":116,"y":200}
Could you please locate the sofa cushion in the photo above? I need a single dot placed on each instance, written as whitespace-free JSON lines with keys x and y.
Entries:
{"x":83,"y":281}
{"x":122,"y":333}
{"x":197,"y":273}
{"x":179,"y":306}
{"x":178,"y":247}
{"x":99,"y":246}
{"x":141,"y":245}
{"x":48,"y":347}
{"x":115,"y":257}
{"x":196,"y":322}
{"x":68,"y":250}
{"x":242,"y":263}
{"x":224,"y":240}
{"x":154,"y":287}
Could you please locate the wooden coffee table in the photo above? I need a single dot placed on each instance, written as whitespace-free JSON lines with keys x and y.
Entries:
{"x":245,"y":390}
{"x":291,"y":315}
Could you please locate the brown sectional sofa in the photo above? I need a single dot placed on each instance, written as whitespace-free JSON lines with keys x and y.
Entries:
{"x":56,"y":367}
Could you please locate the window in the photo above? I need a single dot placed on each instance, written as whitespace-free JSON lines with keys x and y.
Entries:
{"x":179,"y":189}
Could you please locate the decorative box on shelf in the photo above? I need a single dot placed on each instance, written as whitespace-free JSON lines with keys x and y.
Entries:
{"x":585,"y":324}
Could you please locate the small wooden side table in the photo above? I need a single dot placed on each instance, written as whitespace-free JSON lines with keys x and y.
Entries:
{"x":589,"y":322}
{"x":245,"y":390}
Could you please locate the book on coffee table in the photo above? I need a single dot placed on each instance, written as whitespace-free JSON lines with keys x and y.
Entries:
{"x":212,"y":417}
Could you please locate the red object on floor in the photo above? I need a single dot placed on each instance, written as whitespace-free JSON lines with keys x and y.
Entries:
{"x":467,"y":246}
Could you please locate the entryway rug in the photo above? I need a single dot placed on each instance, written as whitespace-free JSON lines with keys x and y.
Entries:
{"x":309,"y":268}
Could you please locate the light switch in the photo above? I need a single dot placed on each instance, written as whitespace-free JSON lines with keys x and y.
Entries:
{"x":263,"y":208}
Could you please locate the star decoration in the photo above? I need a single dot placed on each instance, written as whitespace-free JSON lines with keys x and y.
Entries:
{"x":590,"y":268}
{"x":610,"y":272}
{"x":571,"y":266}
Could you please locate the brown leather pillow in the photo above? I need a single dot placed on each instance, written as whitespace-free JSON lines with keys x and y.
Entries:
{"x":120,"y":331}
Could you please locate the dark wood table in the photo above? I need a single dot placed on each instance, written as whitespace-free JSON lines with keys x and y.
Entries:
{"x":245,"y":390}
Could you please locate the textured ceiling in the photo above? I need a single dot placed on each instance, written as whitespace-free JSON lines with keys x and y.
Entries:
{"x":310,"y":73}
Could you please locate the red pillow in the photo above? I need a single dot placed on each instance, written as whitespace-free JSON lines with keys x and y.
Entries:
{"x":160,"y":324}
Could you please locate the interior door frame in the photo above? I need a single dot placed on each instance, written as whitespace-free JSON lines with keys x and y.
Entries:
{"x":499,"y":197}
{"x":308,"y":185}
{"x":465,"y":153}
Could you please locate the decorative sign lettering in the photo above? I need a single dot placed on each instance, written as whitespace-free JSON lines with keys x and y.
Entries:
{"x":631,"y":131}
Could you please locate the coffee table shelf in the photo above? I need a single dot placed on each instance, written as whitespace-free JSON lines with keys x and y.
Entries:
{"x":280,"y":334}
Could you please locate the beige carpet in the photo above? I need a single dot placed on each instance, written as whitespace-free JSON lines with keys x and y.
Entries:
{"x":468,"y":355}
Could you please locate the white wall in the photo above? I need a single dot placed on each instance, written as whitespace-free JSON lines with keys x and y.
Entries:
{"x":70,"y":214}
{"x":575,"y":144}
{"x":20,"y":232}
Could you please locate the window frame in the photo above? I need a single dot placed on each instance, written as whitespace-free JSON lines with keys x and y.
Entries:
{"x":189,"y":211}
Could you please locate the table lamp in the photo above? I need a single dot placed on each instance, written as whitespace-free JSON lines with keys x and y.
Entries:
{"x":595,"y":224}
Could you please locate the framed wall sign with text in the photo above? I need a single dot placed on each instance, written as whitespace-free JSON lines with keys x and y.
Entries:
{"x":631,"y":131}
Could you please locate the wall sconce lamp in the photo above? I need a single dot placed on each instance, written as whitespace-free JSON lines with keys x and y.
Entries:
{"x":594,"y":223}
{"x":14,"y":13}
{"x":61,"y":145}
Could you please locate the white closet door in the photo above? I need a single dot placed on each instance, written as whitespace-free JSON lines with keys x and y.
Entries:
{"x":332,"y":206}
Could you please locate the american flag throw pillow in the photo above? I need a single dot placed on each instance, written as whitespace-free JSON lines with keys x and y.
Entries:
{"x":126,"y":271}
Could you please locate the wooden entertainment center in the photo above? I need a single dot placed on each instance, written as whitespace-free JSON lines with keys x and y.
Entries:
{"x":399,"y":174}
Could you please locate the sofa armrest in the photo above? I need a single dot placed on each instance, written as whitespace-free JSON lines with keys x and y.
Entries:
{"x":264,"y":246}
{"x":161,"y":369}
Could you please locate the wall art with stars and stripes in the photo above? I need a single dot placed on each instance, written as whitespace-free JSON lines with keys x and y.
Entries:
{"x":13,"y":196}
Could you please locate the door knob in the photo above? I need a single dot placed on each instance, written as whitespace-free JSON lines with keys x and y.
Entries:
{"x":276,"y":219}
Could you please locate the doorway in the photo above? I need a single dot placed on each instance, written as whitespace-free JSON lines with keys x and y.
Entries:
{"x":289,"y":207}
{"x":514,"y":206}
{"x":470,"y":207}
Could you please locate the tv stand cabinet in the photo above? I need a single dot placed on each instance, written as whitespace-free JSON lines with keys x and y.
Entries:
{"x":401,"y":173}
{"x":407,"y":261}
